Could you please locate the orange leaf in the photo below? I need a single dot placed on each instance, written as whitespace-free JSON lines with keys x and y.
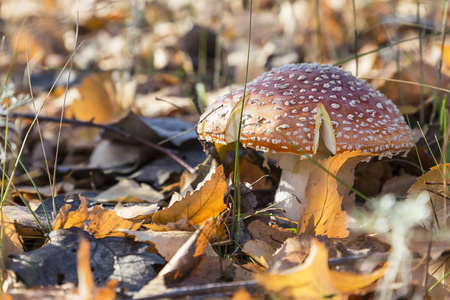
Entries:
{"x":97,"y":220}
{"x":196,"y":208}
{"x":66,"y":219}
{"x":323,"y":214}
{"x":97,"y":100}
{"x":86,"y":285}
{"x":314,"y":280}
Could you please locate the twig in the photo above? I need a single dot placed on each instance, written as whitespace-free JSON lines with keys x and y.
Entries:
{"x":203,"y":289}
{"x":109,"y":128}
{"x":233,"y":286}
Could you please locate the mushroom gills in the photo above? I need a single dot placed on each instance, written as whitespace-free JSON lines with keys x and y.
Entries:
{"x":324,"y":139}
{"x":231,"y":132}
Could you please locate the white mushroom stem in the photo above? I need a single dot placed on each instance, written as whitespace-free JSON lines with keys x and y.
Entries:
{"x":291,"y":193}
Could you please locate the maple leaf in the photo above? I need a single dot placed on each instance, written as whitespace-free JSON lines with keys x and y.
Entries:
{"x":323,"y":214}
{"x":196,"y":208}
{"x":313,"y":279}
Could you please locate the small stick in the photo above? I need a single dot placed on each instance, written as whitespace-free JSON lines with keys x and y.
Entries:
{"x":106,"y":127}
{"x":203,"y":289}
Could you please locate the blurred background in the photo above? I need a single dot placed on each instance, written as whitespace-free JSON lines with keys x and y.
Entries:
{"x":179,"y":48}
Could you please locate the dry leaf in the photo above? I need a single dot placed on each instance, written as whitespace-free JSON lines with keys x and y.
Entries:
{"x":166,"y":243}
{"x":314,"y":280}
{"x":66,"y":219}
{"x":129,"y":191}
{"x":272,"y":235}
{"x":199,"y":206}
{"x":260,"y":251}
{"x":97,"y":100}
{"x":10,"y":242}
{"x":187,"y":258}
{"x":293,"y":253}
{"x":86,"y":287}
{"x":97,"y":220}
{"x":323,"y":214}
{"x":436,"y":181}
{"x":102,"y":222}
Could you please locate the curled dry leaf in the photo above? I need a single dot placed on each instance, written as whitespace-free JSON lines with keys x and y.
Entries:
{"x":314,"y":280}
{"x":324,"y":214}
{"x":193,"y":210}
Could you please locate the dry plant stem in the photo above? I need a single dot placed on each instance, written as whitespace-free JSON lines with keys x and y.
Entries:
{"x":109,"y":128}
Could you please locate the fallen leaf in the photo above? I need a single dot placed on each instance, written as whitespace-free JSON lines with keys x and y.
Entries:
{"x":102,"y":222}
{"x":293,"y":253}
{"x":260,"y":251}
{"x":86,"y":285}
{"x":205,"y":202}
{"x":96,"y":220}
{"x":129,"y":191}
{"x":135,"y":211}
{"x":10,"y":241}
{"x":110,"y":258}
{"x":435,"y":181}
{"x":323,"y":214}
{"x":166,"y":243}
{"x":314,"y":280}
{"x":97,"y":100}
{"x":67,"y":219}
{"x":271,"y":234}
{"x":185,"y":261}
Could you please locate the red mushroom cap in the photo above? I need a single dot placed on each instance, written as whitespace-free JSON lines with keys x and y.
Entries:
{"x":296,"y":103}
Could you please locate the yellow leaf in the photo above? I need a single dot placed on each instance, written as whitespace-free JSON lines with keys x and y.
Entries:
{"x":314,"y":280}
{"x":323,"y":214}
{"x":196,"y":208}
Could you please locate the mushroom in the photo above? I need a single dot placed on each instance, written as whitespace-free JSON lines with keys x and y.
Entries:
{"x":318,"y":108}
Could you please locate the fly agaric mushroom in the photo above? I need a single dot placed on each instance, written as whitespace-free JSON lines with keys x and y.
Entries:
{"x":320,"y":109}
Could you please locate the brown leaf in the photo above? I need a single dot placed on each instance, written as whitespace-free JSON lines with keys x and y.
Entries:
{"x":323,"y":214}
{"x":314,"y":280}
{"x":272,"y":235}
{"x":260,"y":251}
{"x":199,"y":206}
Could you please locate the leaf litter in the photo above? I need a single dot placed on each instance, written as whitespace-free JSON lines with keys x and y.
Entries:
{"x":128,"y":221}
